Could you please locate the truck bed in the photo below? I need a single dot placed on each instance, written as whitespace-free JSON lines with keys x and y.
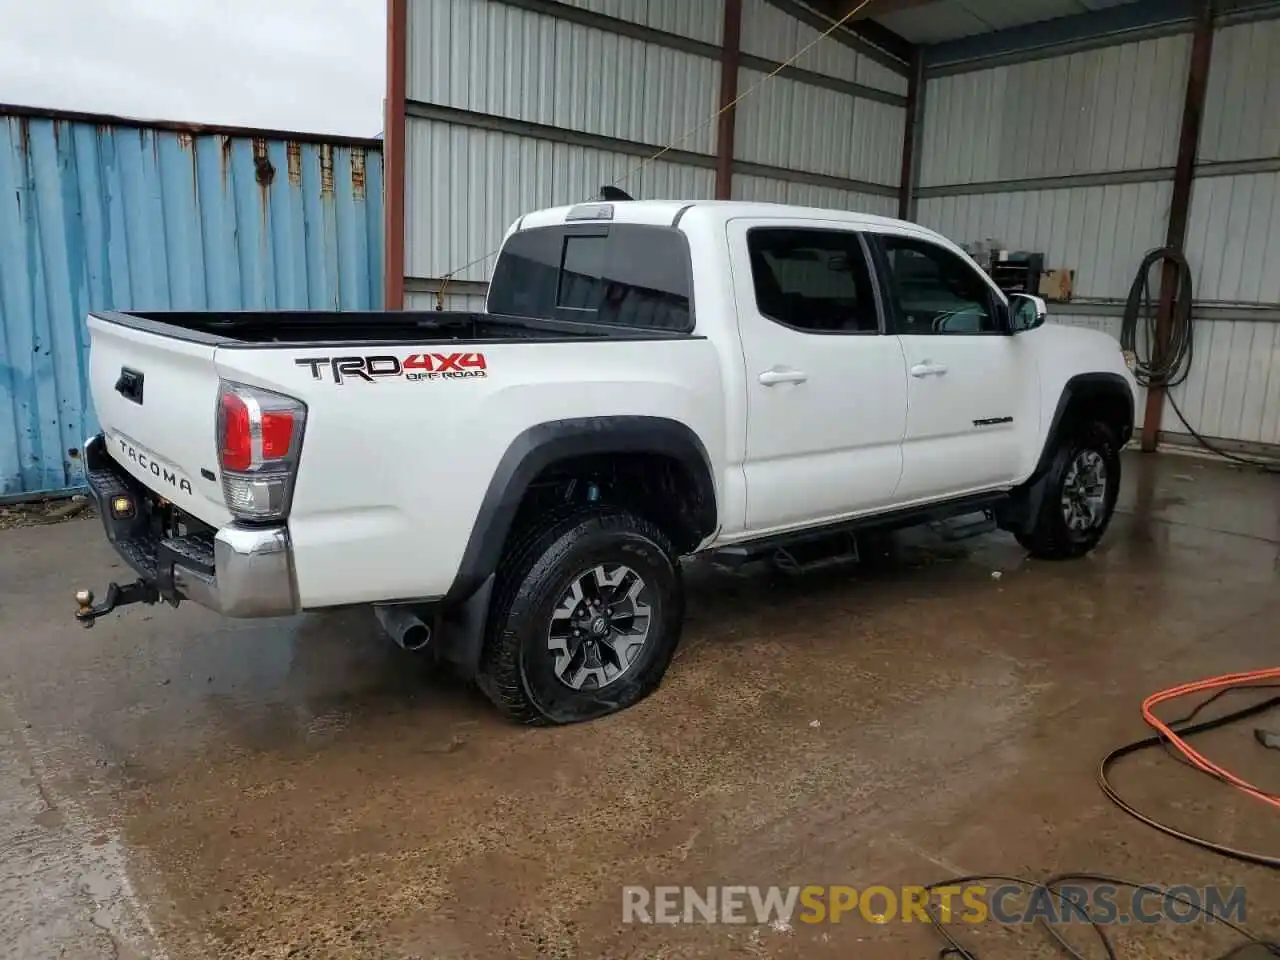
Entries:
{"x":229,"y":329}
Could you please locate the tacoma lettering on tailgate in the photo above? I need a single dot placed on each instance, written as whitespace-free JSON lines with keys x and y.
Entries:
{"x":171,"y":477}
{"x":416,"y":366}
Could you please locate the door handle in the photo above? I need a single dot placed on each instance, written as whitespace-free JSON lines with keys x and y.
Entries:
{"x":771,"y":378}
{"x":929,"y":369}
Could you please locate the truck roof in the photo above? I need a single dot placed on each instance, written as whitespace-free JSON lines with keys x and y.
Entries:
{"x":664,"y":213}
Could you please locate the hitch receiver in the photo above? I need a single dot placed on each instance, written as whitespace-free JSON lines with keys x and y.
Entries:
{"x":140,"y":591}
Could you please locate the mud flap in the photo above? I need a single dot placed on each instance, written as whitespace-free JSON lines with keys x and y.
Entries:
{"x":460,"y":630}
{"x":1018,"y":513}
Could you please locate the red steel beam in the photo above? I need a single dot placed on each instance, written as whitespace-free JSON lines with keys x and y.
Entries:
{"x":729,"y":57}
{"x":1180,"y":205}
{"x":393,"y":153}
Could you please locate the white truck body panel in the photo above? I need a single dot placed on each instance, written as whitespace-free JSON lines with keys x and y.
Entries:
{"x":167,"y":440}
{"x":393,"y":472}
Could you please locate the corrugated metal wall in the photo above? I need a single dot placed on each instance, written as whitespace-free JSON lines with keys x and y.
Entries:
{"x":465,"y":183}
{"x":1099,"y":111}
{"x":1101,"y":232}
{"x":799,"y":126}
{"x":523,"y":65}
{"x":465,"y":186}
{"x":1233,"y":244}
{"x":545,"y":102}
{"x":699,"y":21}
{"x":103,"y":215}
{"x":768,"y":190}
{"x":1073,"y":156}
{"x":774,"y":34}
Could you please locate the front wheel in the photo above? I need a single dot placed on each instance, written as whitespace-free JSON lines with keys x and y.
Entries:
{"x":1079,"y":499}
{"x":586,"y":617}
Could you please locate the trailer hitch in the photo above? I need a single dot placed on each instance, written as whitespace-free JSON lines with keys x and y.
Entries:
{"x":140,"y":591}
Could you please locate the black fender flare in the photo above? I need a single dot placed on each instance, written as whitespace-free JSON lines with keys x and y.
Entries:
{"x":544,"y":444}
{"x":1023,"y":506}
{"x":1080,"y":387}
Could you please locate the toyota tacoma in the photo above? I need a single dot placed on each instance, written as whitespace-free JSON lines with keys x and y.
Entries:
{"x":514,"y":490}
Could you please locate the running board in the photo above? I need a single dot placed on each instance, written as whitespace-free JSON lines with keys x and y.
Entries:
{"x":796,"y":554}
{"x":837,"y":543}
{"x":966,"y":527}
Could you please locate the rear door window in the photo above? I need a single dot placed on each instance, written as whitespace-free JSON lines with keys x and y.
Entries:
{"x":626,"y":275}
{"x":813,"y":280}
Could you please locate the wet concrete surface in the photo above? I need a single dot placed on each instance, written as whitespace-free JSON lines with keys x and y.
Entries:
{"x":176,"y":785}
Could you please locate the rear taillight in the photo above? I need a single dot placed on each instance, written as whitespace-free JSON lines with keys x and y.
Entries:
{"x":234,"y":438}
{"x":259,"y":439}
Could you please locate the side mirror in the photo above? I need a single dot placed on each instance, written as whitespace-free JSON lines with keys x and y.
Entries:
{"x":1026,"y":312}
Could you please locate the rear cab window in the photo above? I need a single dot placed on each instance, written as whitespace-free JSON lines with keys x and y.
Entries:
{"x":618,"y":274}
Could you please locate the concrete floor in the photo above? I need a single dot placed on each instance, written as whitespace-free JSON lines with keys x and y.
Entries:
{"x":176,"y":785}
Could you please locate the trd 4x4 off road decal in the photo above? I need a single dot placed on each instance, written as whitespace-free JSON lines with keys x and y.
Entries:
{"x":416,"y":366}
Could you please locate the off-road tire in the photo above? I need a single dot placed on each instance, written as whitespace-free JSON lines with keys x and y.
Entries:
{"x":1050,"y":537}
{"x":516,"y":668}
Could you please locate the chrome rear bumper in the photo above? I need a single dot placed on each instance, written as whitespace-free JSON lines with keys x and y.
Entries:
{"x":240,"y":570}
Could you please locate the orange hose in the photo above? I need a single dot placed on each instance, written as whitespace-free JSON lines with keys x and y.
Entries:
{"x":1193,"y":755}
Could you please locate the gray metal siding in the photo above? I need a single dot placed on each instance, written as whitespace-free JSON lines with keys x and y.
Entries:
{"x":1242,"y":104}
{"x":465,"y":187}
{"x":1233,"y":391}
{"x":776,"y":35}
{"x":769,"y":190}
{"x":800,"y":127}
{"x":1100,"y":232}
{"x":500,"y":60}
{"x":1233,"y":238}
{"x":96,"y":216}
{"x":1118,"y":109}
{"x":702,"y":20}
{"x":473,"y":302}
{"x":1112,"y":109}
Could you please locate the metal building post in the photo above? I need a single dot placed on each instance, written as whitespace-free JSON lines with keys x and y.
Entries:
{"x":731,"y":42}
{"x":1180,"y":205}
{"x":393,"y":153}
{"x":910,"y":137}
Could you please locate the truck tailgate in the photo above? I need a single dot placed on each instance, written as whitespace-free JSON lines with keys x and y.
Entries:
{"x":156,"y":398}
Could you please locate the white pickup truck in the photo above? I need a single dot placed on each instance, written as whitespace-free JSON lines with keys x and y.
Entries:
{"x":514,"y":489}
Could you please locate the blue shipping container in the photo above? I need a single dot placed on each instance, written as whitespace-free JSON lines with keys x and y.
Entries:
{"x":103,"y":213}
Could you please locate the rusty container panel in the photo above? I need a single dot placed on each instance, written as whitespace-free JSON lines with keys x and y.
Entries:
{"x":103,"y":214}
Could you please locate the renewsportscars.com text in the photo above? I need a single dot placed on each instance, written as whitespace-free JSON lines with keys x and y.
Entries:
{"x":973,"y":903}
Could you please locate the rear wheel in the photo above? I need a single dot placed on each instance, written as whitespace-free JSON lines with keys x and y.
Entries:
{"x":587,"y":614}
{"x":1080,"y":494}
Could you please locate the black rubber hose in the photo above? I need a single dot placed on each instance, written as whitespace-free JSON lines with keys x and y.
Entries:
{"x":1248,"y":856}
{"x":1170,"y":369}
{"x":1153,"y":369}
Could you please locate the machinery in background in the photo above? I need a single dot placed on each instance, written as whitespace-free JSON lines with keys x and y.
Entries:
{"x":1019,"y":271}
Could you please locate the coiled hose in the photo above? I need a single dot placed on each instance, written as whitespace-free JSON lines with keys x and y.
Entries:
{"x":1172,"y":367}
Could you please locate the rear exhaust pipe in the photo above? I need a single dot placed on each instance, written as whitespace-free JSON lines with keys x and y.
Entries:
{"x":403,"y":626}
